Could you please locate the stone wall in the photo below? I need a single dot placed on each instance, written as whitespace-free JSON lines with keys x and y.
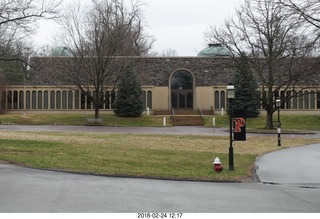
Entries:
{"x":152,"y":71}
{"x":156,"y":71}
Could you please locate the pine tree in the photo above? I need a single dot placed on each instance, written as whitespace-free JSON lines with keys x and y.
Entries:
{"x":129,"y":96}
{"x":246,"y":89}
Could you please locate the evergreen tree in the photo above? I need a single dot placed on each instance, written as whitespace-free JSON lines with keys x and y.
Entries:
{"x":128,"y":101}
{"x":246,"y":89}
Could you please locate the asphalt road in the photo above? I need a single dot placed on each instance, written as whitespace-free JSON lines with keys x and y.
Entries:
{"x":295,"y":167}
{"x":28,"y":190}
{"x":290,"y":183}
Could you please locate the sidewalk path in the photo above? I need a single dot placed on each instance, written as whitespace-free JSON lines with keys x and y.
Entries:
{"x":176,"y":130}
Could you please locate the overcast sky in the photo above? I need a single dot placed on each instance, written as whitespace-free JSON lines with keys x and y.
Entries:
{"x":175,"y":24}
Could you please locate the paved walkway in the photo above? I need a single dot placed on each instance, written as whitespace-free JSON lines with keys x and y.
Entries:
{"x":176,"y":130}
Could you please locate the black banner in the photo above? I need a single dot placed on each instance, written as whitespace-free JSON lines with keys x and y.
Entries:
{"x":239,"y":125}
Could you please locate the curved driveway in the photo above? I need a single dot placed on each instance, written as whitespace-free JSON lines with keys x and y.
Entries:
{"x":295,"y":166}
{"x":29,"y":190}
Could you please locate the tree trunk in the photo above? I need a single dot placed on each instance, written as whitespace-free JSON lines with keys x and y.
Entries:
{"x":96,"y":112}
{"x":269,"y":120}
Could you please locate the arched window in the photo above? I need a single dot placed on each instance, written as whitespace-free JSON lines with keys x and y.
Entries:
{"x":34,"y":100}
{"x":39,"y":99}
{"x":300,"y":94}
{"x":223,"y":99}
{"x":295,"y":100}
{"x":64,"y":99}
{"x":306,"y":100}
{"x":58,"y":100}
{"x":21,"y":100}
{"x":28,"y":101}
{"x":77,"y":99}
{"x":288,"y":103}
{"x":70,"y":100}
{"x":15,"y":99}
{"x":83,"y":100}
{"x":89,"y":105}
{"x":46,"y":99}
{"x":216,"y":100}
{"x":52,"y":100}
{"x":312,"y":100}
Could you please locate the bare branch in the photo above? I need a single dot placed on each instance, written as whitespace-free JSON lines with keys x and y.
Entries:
{"x":275,"y":39}
{"x":95,"y":35}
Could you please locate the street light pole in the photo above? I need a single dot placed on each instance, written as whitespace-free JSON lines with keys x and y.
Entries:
{"x":231,"y":95}
{"x":278,"y":104}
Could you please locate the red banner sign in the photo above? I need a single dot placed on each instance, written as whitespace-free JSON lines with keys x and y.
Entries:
{"x":239,"y":124}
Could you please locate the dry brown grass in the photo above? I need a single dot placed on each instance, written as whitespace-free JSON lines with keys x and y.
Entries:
{"x":160,"y":156}
{"x":215,"y":144}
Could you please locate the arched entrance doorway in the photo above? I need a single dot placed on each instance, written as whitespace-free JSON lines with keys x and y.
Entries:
{"x":182,"y":90}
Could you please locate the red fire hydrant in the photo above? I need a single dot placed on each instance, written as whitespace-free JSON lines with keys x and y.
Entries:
{"x":217,"y":165}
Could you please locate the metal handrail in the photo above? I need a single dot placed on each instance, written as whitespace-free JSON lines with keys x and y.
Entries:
{"x":173,"y":116}
{"x":201,"y":113}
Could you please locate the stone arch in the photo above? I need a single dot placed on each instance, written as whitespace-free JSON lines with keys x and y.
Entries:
{"x":182,"y":89}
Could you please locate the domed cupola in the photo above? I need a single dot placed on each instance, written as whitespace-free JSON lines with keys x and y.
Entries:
{"x":214,"y":50}
{"x":60,"y":52}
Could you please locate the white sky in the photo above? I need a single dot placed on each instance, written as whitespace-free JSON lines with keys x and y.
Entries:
{"x":175,"y":24}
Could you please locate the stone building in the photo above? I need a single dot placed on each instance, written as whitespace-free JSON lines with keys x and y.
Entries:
{"x":192,"y":83}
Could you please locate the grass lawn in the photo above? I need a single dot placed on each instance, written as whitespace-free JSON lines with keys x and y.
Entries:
{"x":158,"y":156}
{"x":288,"y":122}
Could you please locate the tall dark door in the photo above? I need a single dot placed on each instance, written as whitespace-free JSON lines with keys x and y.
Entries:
{"x":182,"y":90}
{"x":182,"y":99}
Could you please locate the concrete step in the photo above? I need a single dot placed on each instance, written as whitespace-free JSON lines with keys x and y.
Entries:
{"x":187,"y":121}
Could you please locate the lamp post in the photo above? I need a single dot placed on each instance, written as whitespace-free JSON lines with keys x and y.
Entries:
{"x":230,"y":95}
{"x":278,"y":105}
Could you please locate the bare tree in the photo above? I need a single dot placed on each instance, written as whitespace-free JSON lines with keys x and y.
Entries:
{"x":95,"y":36}
{"x":169,"y":52}
{"x":277,"y":43}
{"x":308,"y":9}
{"x":18,"y":19}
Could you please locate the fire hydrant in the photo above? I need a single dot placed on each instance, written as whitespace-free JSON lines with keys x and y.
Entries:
{"x":217,"y":165}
